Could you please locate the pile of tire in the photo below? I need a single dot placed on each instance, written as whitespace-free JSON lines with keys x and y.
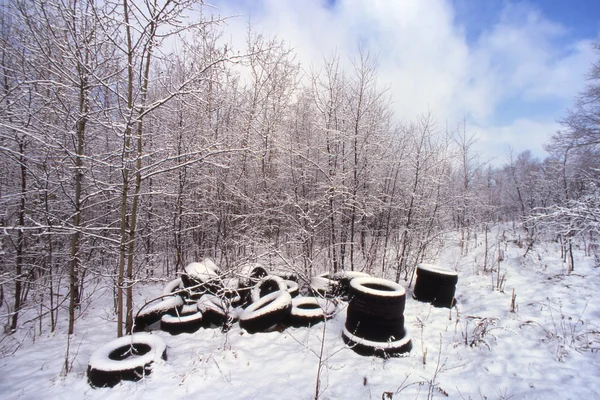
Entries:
{"x":202,"y":299}
{"x":179,"y":310}
{"x":435,"y":285}
{"x":375,"y":318}
{"x":275,"y":305}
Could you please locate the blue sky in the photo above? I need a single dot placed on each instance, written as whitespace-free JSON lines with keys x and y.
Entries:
{"x":511,"y":68}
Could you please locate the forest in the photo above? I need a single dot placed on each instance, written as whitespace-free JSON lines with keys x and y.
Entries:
{"x":134,"y":140}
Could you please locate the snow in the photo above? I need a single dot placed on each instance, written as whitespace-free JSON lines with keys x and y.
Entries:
{"x":437,"y":269}
{"x":322,"y":283}
{"x":396,"y":290}
{"x":269,"y":303}
{"x":173,"y":319}
{"x":349,"y":275}
{"x":291,"y":286}
{"x":100,"y":361}
{"x":203,"y":271}
{"x":547,"y":349}
{"x":172,"y":286}
{"x":164,"y":305}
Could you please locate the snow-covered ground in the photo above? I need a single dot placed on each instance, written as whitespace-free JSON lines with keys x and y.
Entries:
{"x":547,"y":349}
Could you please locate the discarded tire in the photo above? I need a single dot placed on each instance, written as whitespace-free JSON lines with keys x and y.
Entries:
{"x":435,"y":285}
{"x":172,"y":287}
{"x":308,"y":311}
{"x":184,"y":323}
{"x":250,"y":274}
{"x":267,"y":285}
{"x":153,"y":313}
{"x":200,"y":278}
{"x":126,"y":358}
{"x":267,"y":312}
{"x":367,"y":348}
{"x":292,"y":287}
{"x":375,"y":318}
{"x":215,"y":311}
{"x":343,"y":279}
{"x":322,"y":285}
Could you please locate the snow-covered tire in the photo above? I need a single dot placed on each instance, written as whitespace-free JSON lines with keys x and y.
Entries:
{"x":183,"y":323}
{"x":435,"y":285}
{"x":267,"y":285}
{"x":200,"y":278}
{"x":173,"y":286}
{"x":151,"y":314}
{"x":126,"y":358}
{"x":322,"y":285}
{"x":308,"y":311}
{"x":343,"y":279}
{"x":292,"y":287}
{"x":216,"y":311}
{"x":266,"y":312}
{"x":375,"y":310}
{"x":364,"y":347}
{"x":250,"y":274}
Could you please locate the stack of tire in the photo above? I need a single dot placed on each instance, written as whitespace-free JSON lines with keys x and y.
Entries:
{"x":435,"y":285}
{"x":375,"y":318}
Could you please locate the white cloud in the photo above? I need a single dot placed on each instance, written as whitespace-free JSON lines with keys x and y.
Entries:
{"x":519,"y":135}
{"x":426,"y":59}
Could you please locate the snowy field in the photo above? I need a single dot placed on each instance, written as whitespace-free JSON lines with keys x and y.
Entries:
{"x":548,"y":348}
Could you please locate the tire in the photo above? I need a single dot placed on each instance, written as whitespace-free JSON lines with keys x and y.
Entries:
{"x":292,"y":287}
{"x":184,"y":323}
{"x":368,"y":348}
{"x":375,"y":311}
{"x":215,"y":311}
{"x":152,"y":314}
{"x":200,"y":278}
{"x":126,"y":358}
{"x":251,"y":274}
{"x":323,"y":286}
{"x":267,"y":285}
{"x":266,"y":312}
{"x":308,"y":311}
{"x":343,"y":278}
{"x":172,"y":287}
{"x":435,"y":285}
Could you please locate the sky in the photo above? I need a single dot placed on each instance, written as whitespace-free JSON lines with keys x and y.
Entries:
{"x":510,"y":69}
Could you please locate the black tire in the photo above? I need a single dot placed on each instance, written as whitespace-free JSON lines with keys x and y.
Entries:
{"x":267,"y":285}
{"x":151,"y":314}
{"x":215,"y":311}
{"x":126,"y":358}
{"x":184,"y":323}
{"x":200,"y":278}
{"x":267,"y":312}
{"x":435,"y":285}
{"x":343,"y":278}
{"x":308,"y":311}
{"x":376,"y":310}
{"x":368,"y":348}
{"x":292,"y":287}
{"x":251,"y":274}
